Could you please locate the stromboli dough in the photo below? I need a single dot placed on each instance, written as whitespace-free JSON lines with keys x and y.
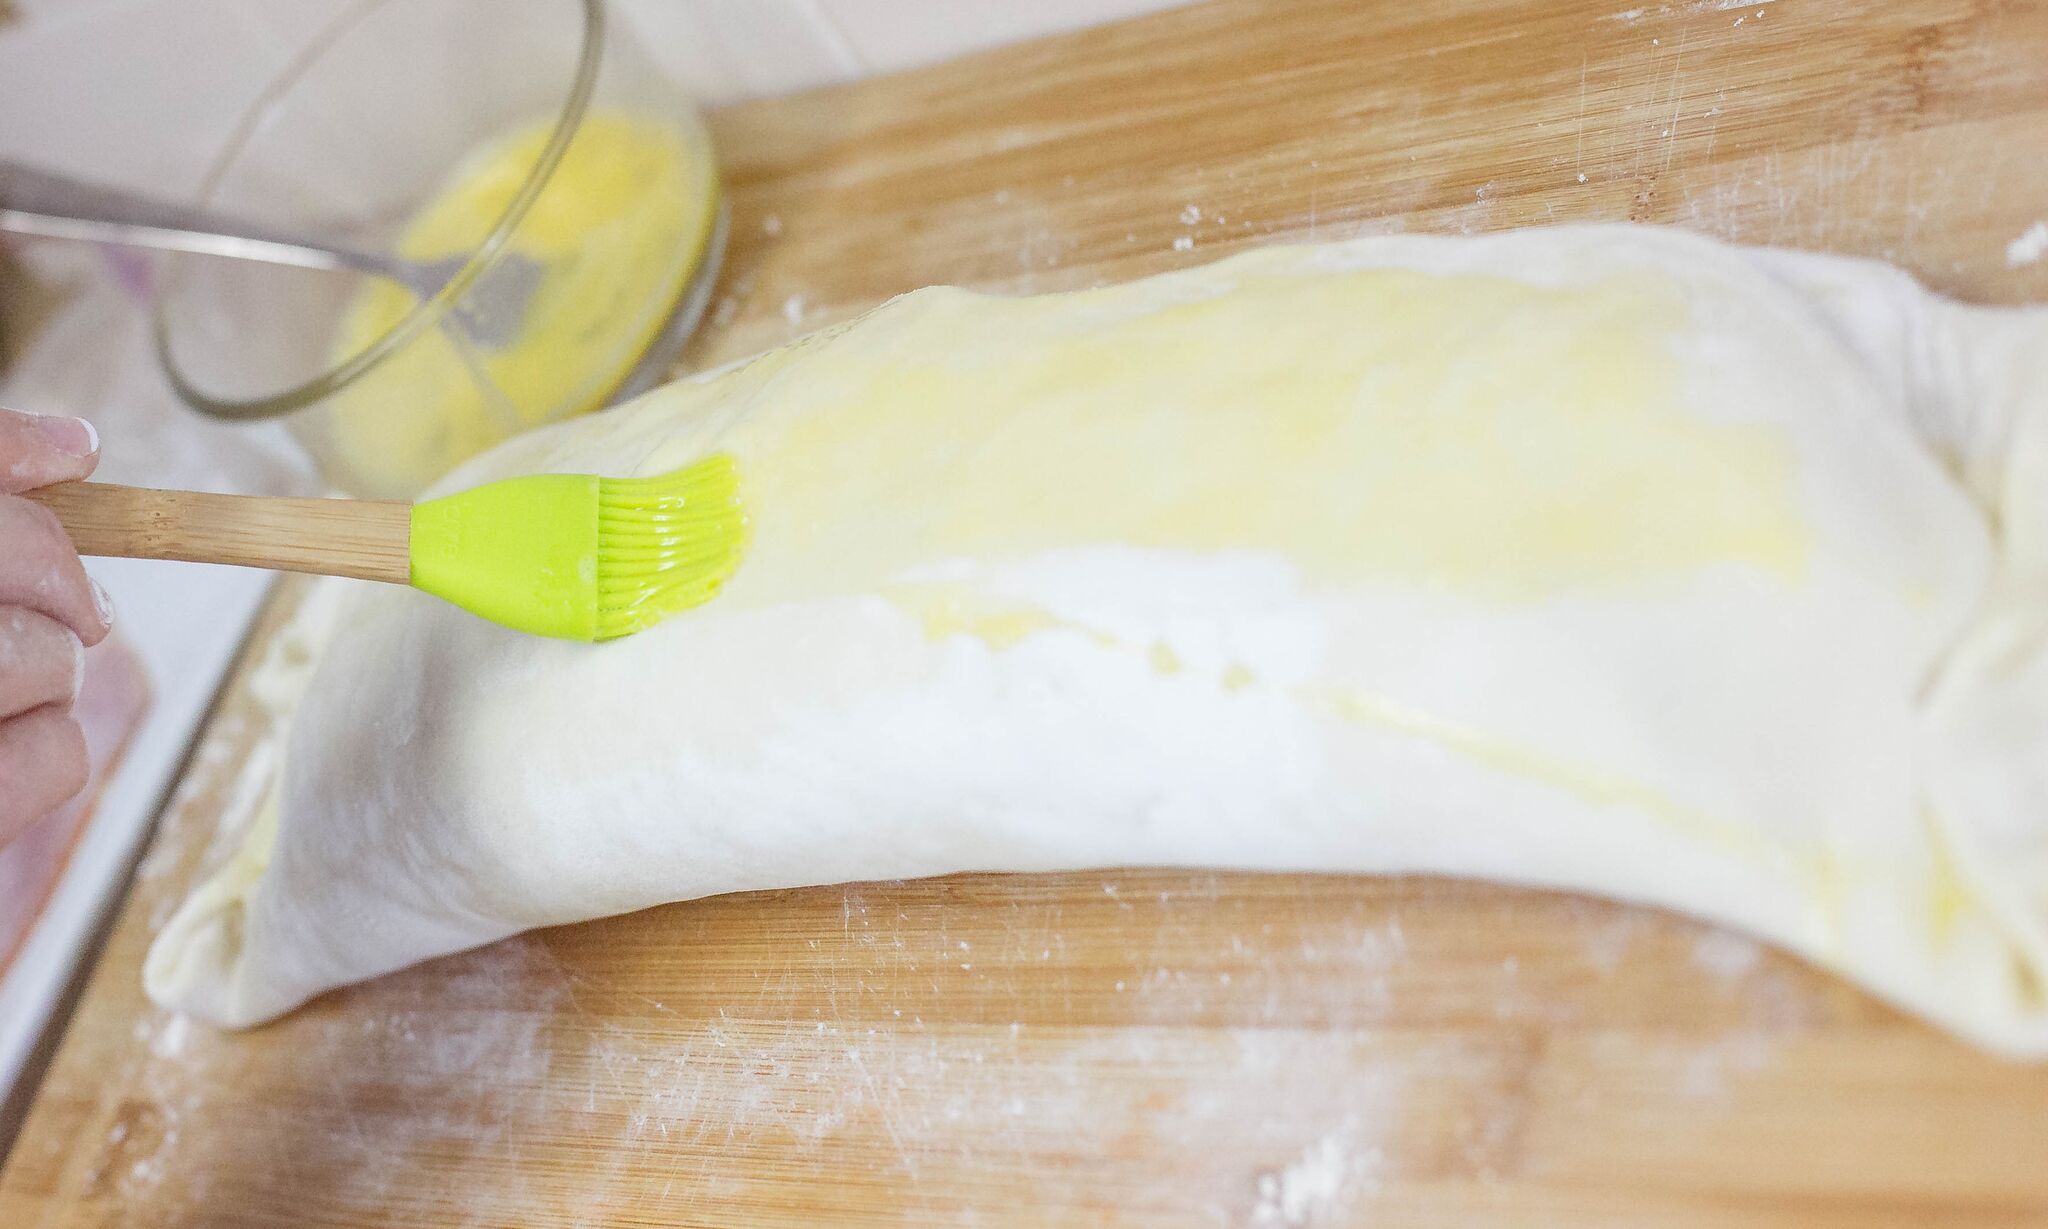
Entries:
{"x":1606,"y":558}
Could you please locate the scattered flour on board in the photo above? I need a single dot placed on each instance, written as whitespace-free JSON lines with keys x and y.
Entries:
{"x":1275,"y":1126}
{"x":1609,"y":936}
{"x":1712,"y":1070}
{"x":793,"y":309}
{"x":1725,"y":954}
{"x":1629,"y":17}
{"x":468,"y":1050}
{"x":1010,"y":1096}
{"x":2030,"y":247}
{"x":169,"y":1041}
{"x":1315,"y":1185}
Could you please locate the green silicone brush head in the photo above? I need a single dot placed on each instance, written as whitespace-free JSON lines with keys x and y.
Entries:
{"x":579,"y":557}
{"x":666,"y":544}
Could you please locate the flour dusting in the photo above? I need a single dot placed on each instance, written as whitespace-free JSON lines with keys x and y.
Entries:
{"x":1629,"y":17}
{"x":169,"y":1041}
{"x":1725,"y":954}
{"x":1714,"y":1069}
{"x":1313,"y":1187}
{"x":2030,"y":247}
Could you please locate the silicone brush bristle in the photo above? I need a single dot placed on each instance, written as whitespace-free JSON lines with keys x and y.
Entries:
{"x":665,"y":544}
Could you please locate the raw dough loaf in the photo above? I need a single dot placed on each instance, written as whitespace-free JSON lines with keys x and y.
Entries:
{"x":1613,"y":559}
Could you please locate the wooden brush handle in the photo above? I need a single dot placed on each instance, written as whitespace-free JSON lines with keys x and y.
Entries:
{"x":366,"y":539}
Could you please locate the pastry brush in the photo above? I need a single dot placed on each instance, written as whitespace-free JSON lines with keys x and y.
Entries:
{"x":567,"y":555}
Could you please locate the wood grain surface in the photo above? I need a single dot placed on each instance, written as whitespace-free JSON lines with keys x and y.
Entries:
{"x":367,"y":539}
{"x":1140,"y":1047}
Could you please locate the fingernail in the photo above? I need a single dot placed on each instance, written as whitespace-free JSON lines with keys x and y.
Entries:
{"x":73,"y":437}
{"x":102,"y":603}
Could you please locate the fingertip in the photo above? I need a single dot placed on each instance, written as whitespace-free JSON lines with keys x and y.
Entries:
{"x":74,"y":439}
{"x":103,"y":606}
{"x":89,"y":460}
{"x":41,"y":449}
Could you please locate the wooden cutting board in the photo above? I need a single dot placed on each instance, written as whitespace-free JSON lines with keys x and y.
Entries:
{"x":1139,"y":1047}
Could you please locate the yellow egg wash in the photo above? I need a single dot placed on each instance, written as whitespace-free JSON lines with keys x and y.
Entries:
{"x":1503,"y":440}
{"x":961,"y":610}
{"x":1500,"y":440}
{"x":1949,"y":898}
{"x":1491,"y":438}
{"x":618,"y":231}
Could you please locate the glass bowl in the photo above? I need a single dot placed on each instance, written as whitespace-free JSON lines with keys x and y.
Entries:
{"x":531,"y":146}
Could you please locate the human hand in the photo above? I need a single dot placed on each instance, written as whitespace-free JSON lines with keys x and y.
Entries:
{"x":50,"y":611}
